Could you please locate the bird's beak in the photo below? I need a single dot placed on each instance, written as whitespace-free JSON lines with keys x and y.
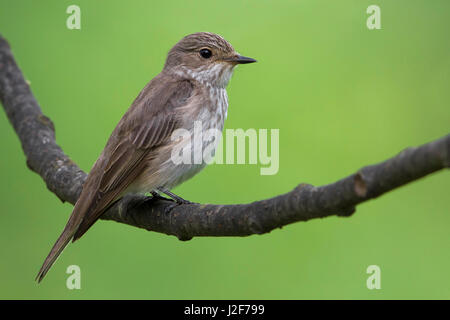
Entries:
{"x":240,"y":59}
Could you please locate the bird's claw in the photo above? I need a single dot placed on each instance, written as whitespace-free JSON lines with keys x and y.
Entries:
{"x":182,"y":201}
{"x":176,"y":203}
{"x":156,"y":196}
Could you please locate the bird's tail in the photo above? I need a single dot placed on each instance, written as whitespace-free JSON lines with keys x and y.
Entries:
{"x":67,"y":234}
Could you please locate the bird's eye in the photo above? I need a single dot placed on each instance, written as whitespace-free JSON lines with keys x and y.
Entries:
{"x":206,"y":53}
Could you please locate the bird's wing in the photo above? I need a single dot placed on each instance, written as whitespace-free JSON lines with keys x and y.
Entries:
{"x":124,"y":165}
{"x":141,"y":134}
{"x":146,"y":125}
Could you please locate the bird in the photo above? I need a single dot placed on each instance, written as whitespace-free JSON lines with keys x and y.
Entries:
{"x":137,"y":158}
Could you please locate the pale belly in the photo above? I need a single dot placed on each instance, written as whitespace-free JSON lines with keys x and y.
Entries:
{"x":166,"y":170}
{"x":196,"y":152}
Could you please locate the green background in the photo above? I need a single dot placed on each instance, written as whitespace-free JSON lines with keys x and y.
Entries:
{"x":342,"y":96}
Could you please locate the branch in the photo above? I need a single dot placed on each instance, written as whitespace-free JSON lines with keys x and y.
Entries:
{"x":64,"y":178}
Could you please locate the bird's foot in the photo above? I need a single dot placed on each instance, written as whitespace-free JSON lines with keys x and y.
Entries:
{"x":183,"y":201}
{"x":179,"y":200}
{"x":176,"y":200}
{"x":175,"y":204}
{"x":156,"y":196}
{"x":170,"y":207}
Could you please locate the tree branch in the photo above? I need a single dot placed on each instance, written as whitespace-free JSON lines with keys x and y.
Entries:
{"x":64,"y":178}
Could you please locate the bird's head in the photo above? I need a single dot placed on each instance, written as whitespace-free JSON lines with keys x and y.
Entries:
{"x":205,"y":57}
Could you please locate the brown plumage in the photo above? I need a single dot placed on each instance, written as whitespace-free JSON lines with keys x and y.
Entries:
{"x":136,"y":158}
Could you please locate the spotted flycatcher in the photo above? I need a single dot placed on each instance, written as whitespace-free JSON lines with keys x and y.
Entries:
{"x":137,"y":156}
